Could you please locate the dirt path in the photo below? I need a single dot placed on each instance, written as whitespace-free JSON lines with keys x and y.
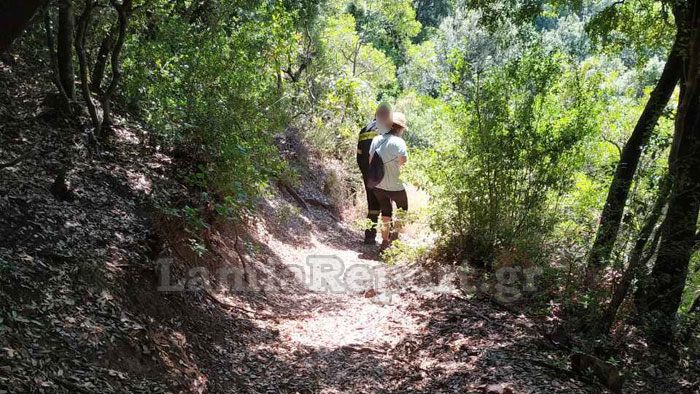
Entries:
{"x":396,"y":333}
{"x":359,"y":311}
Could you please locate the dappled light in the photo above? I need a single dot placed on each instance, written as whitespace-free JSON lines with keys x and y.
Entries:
{"x":349,"y":196}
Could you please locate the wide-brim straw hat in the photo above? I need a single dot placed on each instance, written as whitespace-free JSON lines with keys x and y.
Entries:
{"x":399,"y":119}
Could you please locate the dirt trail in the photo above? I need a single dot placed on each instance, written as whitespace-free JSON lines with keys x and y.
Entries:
{"x":405,"y":331}
{"x":82,"y":310}
{"x":359,"y":310}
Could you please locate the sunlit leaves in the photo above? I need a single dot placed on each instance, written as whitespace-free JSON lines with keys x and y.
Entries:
{"x":347,"y":76}
{"x":388,"y":24}
{"x":422,"y":70}
{"x":521,"y":132}
{"x":211,"y":85}
{"x":645,"y":26}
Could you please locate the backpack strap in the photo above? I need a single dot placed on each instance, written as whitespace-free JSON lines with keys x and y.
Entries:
{"x":384,"y":143}
{"x":367,"y":135}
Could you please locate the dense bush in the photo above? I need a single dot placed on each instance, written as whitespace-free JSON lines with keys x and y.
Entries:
{"x":212,"y":88}
{"x":521,"y":129}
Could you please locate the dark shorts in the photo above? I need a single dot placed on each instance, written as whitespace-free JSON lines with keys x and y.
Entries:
{"x":386,"y":198}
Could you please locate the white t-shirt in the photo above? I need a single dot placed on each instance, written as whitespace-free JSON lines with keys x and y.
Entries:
{"x":389,"y":147}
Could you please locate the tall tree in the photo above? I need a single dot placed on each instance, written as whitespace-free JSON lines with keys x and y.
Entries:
{"x":98,"y":71}
{"x":53,"y":61}
{"x":637,"y":259}
{"x":389,"y":25}
{"x":64,"y":48}
{"x":629,"y":161}
{"x":430,"y":13}
{"x":124,"y":10}
{"x":667,"y":281}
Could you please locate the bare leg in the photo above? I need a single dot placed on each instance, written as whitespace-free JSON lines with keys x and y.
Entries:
{"x":386,"y":227}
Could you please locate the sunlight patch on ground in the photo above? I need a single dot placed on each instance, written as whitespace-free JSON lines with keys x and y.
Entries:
{"x":357,"y":321}
{"x":139,"y":181}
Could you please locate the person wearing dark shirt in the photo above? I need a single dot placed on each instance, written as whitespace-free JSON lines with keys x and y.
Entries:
{"x":380,"y":125}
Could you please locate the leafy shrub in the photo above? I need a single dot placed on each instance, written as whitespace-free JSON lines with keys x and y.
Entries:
{"x":348,"y":76}
{"x":211,"y":89}
{"x":520,"y":133}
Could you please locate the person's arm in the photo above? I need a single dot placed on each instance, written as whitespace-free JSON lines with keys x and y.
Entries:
{"x":403,"y":153}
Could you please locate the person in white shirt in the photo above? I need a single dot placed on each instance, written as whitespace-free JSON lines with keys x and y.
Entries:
{"x":392,"y":149}
{"x":380,"y":125}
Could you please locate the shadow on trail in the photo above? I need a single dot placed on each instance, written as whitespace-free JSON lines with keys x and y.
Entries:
{"x":467,"y":346}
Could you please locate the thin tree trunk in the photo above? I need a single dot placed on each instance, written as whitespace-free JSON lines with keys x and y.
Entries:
{"x":15,"y":16}
{"x":635,"y":260}
{"x":124,"y":11}
{"x":627,"y":166}
{"x":643,"y":273}
{"x":670,"y":270}
{"x":66,"y":27}
{"x":84,"y":23}
{"x":695,"y":306}
{"x":54,"y":62}
{"x":98,"y":71}
{"x":355,"y":54}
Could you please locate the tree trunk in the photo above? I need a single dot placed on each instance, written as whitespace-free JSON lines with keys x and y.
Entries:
{"x":66,"y":27}
{"x":668,"y":276}
{"x":83,"y":24}
{"x":643,"y":273}
{"x":15,"y":16}
{"x":627,"y":166}
{"x":636,"y":260}
{"x":695,"y":306}
{"x":54,"y":62}
{"x":124,"y":11}
{"x":98,"y":71}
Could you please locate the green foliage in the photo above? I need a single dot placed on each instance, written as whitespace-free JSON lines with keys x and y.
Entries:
{"x":431,"y":12}
{"x":515,"y":123}
{"x":346,"y":53}
{"x":644,"y":26}
{"x":212,"y":88}
{"x":347,"y":77}
{"x":430,"y":123}
{"x":618,"y":93}
{"x":388,"y":24}
{"x":197,"y":246}
{"x":521,"y":133}
{"x":692,"y":290}
{"x":401,"y":252}
{"x":422,"y":70}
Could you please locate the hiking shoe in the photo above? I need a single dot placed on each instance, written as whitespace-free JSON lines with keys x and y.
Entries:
{"x":370,"y":238}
